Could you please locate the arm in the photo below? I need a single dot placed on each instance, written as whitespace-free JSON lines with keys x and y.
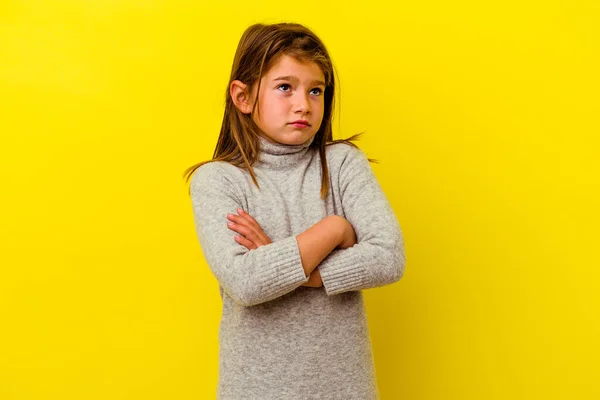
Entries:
{"x":269,"y":271}
{"x":314,"y":280}
{"x":318,"y":241}
{"x":348,"y":240}
{"x":378,"y":257}
{"x":248,"y":277}
{"x":314,"y":244}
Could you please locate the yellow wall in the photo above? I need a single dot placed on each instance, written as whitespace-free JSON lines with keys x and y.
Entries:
{"x":484,"y":116}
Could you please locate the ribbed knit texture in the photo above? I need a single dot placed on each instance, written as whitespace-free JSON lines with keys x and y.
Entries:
{"x":278,"y":339}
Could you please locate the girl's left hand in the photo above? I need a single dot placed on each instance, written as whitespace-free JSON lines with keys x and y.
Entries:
{"x":251,"y":234}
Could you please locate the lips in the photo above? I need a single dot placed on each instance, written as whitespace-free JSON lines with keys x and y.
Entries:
{"x":300,"y":122}
{"x":300,"y":126}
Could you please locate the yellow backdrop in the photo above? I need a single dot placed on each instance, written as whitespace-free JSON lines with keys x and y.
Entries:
{"x":484,"y":116}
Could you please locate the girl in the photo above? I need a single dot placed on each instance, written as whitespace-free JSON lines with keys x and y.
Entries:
{"x":293,"y":225}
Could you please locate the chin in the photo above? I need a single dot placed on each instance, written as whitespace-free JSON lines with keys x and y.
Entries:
{"x":296,"y":138}
{"x":290,"y":138}
{"x":296,"y":141}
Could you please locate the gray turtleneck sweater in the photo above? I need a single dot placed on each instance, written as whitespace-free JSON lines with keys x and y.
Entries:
{"x":278,"y":339}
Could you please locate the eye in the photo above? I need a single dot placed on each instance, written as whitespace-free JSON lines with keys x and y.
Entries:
{"x":319,"y":90}
{"x":282,"y":85}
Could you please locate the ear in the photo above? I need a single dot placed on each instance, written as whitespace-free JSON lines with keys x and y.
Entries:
{"x":241,"y":96}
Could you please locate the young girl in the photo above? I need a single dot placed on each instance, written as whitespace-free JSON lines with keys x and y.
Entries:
{"x":293,"y":225}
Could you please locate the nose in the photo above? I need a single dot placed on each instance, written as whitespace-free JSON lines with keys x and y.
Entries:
{"x":302,"y":104}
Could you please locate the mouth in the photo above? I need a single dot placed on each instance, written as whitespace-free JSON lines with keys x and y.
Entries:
{"x":300,"y":124}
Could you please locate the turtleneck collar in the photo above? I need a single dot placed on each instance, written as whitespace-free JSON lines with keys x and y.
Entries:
{"x":279,"y":155}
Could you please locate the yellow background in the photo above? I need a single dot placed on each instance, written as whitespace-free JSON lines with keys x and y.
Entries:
{"x":484,"y":116}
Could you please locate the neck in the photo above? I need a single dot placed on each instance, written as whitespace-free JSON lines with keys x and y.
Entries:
{"x":273,"y":155}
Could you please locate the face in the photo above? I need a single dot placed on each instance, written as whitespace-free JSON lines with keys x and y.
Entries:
{"x":290,"y":91}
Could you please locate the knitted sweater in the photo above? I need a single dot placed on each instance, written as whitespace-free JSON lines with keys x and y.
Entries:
{"x":278,"y":339}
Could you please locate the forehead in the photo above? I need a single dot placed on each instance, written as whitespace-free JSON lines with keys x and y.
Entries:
{"x":289,"y":66}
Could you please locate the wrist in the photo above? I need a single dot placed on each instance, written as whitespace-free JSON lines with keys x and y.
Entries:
{"x":338,"y":227}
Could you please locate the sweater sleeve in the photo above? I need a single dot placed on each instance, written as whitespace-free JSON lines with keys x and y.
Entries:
{"x":250,"y":277}
{"x":378,"y":257}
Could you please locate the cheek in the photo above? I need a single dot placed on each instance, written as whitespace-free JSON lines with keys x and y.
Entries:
{"x":262,"y":110}
{"x":268,"y":104}
{"x":277,"y":106}
{"x":320,"y":108}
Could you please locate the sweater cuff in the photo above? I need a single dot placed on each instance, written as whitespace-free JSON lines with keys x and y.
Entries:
{"x":342,"y":270}
{"x":285,"y":270}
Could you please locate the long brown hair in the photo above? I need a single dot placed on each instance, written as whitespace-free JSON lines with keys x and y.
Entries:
{"x":258,"y":50}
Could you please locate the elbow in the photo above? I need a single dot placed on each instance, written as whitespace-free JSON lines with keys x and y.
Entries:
{"x":247,"y":300}
{"x":389,"y":257}
{"x":398,"y":266}
{"x":239,"y":286}
{"x":242,"y":296}
{"x":235,"y":289}
{"x":241,"y":299}
{"x":395,"y":262}
{"x":234,"y":294}
{"x":386,"y":262}
{"x":246,"y":295}
{"x":398,"y":258}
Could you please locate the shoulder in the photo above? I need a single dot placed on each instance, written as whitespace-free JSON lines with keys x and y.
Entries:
{"x":342,"y":156}
{"x":214,"y":173}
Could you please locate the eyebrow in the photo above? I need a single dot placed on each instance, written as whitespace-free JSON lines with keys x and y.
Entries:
{"x":294,"y":79}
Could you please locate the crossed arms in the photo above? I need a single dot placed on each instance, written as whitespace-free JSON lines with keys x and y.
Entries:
{"x":314,"y":244}
{"x":362,"y":250}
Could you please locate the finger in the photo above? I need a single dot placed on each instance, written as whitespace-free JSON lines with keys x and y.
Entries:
{"x":257,"y":228}
{"x":238,"y":219}
{"x":234,"y":218}
{"x":248,"y":221}
{"x":248,"y":218}
{"x":244,"y":230}
{"x":245,"y":242}
{"x":253,"y":230}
